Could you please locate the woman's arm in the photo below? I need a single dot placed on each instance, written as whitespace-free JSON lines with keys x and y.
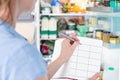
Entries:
{"x":54,"y":66}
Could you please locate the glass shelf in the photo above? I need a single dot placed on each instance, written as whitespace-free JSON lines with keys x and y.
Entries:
{"x":111,"y":46}
{"x":104,"y":9}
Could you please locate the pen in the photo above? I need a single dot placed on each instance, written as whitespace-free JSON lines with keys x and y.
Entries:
{"x":68,"y":37}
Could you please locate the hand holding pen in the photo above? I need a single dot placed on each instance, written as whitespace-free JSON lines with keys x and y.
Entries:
{"x":71,"y":37}
{"x":67,"y":48}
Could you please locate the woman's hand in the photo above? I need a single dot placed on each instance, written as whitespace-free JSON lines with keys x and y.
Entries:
{"x":68,"y":48}
{"x":95,"y":77}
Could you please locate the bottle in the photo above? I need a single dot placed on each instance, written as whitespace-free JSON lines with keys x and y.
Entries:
{"x":44,"y":27}
{"x":52,"y":28}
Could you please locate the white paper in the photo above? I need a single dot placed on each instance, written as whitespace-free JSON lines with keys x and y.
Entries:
{"x":85,"y":61}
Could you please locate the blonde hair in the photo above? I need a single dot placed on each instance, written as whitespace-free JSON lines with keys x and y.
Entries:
{"x":4,"y":6}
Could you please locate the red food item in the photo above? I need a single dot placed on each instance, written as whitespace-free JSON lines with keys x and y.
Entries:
{"x":45,"y":49}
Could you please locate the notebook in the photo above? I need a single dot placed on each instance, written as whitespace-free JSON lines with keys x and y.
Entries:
{"x":85,"y":61}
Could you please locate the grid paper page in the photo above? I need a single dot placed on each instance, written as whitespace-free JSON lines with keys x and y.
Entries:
{"x":84,"y":62}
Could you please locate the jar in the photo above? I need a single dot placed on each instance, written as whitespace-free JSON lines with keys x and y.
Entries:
{"x":82,"y":30}
{"x":99,"y":34}
{"x":92,"y":22}
{"x":106,"y":36}
{"x":114,"y":39}
{"x":90,"y":34}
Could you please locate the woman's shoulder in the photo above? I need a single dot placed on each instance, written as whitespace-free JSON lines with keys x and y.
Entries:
{"x":23,"y":45}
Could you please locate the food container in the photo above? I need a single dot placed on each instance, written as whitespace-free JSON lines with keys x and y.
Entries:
{"x":99,"y":34}
{"x":114,"y":39}
{"x":106,"y":36}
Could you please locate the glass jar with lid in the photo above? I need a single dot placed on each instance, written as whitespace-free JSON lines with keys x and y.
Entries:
{"x":99,"y":34}
{"x":114,"y":39}
{"x":106,"y":36}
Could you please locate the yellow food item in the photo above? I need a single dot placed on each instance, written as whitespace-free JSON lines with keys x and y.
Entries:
{"x":75,"y":8}
{"x":69,"y":5}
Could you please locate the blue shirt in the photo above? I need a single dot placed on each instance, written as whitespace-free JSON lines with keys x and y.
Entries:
{"x":19,"y":60}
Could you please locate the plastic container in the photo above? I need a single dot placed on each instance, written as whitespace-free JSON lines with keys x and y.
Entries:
{"x":71,"y":26}
{"x":56,"y":9}
{"x":52,"y":27}
{"x":82,"y":30}
{"x":46,"y":10}
{"x":56,"y":6}
{"x":110,"y":74}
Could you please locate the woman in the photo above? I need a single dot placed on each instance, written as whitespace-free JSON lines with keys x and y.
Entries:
{"x":18,"y":59}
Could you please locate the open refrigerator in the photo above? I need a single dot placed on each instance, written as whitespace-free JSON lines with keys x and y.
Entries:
{"x":95,"y":20}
